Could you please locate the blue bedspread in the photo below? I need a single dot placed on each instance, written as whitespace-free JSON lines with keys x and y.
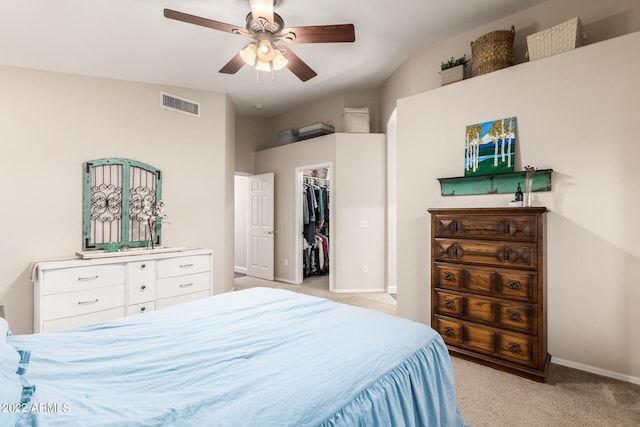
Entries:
{"x":258,"y":357}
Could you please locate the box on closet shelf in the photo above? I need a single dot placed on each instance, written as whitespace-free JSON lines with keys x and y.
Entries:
{"x":355,"y":120}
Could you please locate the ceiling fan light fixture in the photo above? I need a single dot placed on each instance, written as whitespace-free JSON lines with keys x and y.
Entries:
{"x":249,"y":54}
{"x":279,"y":61}
{"x":263,"y":65}
{"x":265,"y":50}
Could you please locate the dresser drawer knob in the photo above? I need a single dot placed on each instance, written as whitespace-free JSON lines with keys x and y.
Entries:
{"x":84,"y":279}
{"x":515,"y":316}
{"x":142,"y":309}
{"x":186,"y":285}
{"x":513,"y":284}
{"x":88,"y":302}
{"x":143,"y":287}
{"x":143,"y":266}
{"x":449,"y":332}
{"x":514,"y":347}
{"x":449,"y":276}
{"x":450,"y":304}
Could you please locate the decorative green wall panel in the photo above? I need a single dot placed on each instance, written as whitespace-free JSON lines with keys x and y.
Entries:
{"x":494,"y":184}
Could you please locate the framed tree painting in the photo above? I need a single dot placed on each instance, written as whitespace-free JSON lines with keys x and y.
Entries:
{"x":490,"y":147}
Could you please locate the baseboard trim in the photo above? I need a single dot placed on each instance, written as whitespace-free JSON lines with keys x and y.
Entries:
{"x":354,"y":291}
{"x":594,"y":370}
{"x":242,"y":270}
{"x":280,"y":279}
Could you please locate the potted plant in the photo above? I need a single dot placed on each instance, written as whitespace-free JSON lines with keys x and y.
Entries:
{"x":453,"y":70}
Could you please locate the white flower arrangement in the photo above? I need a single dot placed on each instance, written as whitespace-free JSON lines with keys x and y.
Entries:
{"x":151,"y":214}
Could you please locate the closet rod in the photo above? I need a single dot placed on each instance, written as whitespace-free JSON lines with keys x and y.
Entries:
{"x":314,"y":177}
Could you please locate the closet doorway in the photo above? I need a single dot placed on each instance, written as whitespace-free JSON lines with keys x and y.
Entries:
{"x":314,"y":215}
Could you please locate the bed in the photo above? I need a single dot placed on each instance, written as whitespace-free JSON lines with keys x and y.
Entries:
{"x":257,"y":357}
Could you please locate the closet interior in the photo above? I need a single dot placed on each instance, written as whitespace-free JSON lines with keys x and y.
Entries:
{"x":315,"y":212}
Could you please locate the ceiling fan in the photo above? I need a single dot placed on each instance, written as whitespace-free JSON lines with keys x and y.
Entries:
{"x":266,"y":28}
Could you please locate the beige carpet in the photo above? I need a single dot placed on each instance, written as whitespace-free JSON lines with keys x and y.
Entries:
{"x":491,"y":398}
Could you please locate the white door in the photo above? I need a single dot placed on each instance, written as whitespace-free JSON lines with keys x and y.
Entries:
{"x":261,"y":232}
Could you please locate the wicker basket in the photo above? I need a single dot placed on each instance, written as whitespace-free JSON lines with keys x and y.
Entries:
{"x":557,"y":39}
{"x":492,"y":51}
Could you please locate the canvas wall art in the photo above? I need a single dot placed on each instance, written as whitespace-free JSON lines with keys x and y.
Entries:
{"x":490,"y":147}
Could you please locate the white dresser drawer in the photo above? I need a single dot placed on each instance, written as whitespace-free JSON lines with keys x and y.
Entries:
{"x":85,"y":319}
{"x":167,"y":302}
{"x":141,"y":308}
{"x":69,"y":304}
{"x":141,"y":282}
{"x":183,"y":265}
{"x":81,"y":278}
{"x":174,"y":286}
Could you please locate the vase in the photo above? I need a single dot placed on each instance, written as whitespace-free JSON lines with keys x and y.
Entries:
{"x":528,"y":183}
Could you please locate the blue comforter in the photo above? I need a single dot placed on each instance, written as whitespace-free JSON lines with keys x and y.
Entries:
{"x":258,"y":357}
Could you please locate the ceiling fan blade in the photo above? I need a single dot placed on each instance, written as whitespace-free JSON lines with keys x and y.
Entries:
{"x":262,"y":9}
{"x":204,"y":22}
{"x":297,"y":65}
{"x":341,"y":33}
{"x":233,"y":65}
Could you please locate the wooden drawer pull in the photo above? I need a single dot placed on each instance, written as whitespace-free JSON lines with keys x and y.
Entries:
{"x":84,"y":279}
{"x":186,"y":265}
{"x":514,"y":347}
{"x":513,"y":284}
{"x":449,"y":276}
{"x":449,"y":332}
{"x":186,"y":285}
{"x":450,"y":304}
{"x":88,"y":302}
{"x":515,"y":316}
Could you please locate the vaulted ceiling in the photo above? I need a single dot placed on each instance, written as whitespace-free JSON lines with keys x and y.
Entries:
{"x":132,"y":40}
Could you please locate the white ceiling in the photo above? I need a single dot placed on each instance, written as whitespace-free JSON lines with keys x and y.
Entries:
{"x":131,"y":40}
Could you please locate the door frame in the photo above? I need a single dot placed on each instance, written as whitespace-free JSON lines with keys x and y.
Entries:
{"x":299,"y":226}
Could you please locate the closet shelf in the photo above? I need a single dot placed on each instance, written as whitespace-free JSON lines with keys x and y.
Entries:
{"x":494,"y":184}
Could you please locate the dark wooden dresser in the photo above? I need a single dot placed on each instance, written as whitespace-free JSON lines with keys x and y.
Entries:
{"x":488,"y":286}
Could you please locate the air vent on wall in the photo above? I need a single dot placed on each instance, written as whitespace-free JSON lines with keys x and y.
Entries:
{"x":180,"y":104}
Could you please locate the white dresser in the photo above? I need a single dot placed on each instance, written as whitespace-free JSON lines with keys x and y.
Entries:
{"x":75,"y":292}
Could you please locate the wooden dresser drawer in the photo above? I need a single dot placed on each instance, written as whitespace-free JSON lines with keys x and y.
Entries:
{"x":450,"y":330}
{"x":488,"y":252}
{"x":183,"y":265}
{"x":486,"y":227}
{"x":449,"y":304}
{"x":70,"y":304}
{"x":520,"y":317}
{"x":517,"y":284}
{"x":479,"y":338}
{"x":81,"y":278}
{"x":450,"y":277}
{"x":174,"y":286}
{"x":518,"y":348}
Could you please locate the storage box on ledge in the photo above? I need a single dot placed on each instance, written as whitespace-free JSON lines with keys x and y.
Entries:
{"x":355,"y":120}
{"x":560,"y":38}
{"x":313,"y":130}
{"x":287,"y":136}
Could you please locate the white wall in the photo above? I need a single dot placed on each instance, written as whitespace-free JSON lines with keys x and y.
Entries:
{"x":358,"y":179}
{"x":52,"y":123}
{"x":602,"y":20}
{"x":577,"y":114}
